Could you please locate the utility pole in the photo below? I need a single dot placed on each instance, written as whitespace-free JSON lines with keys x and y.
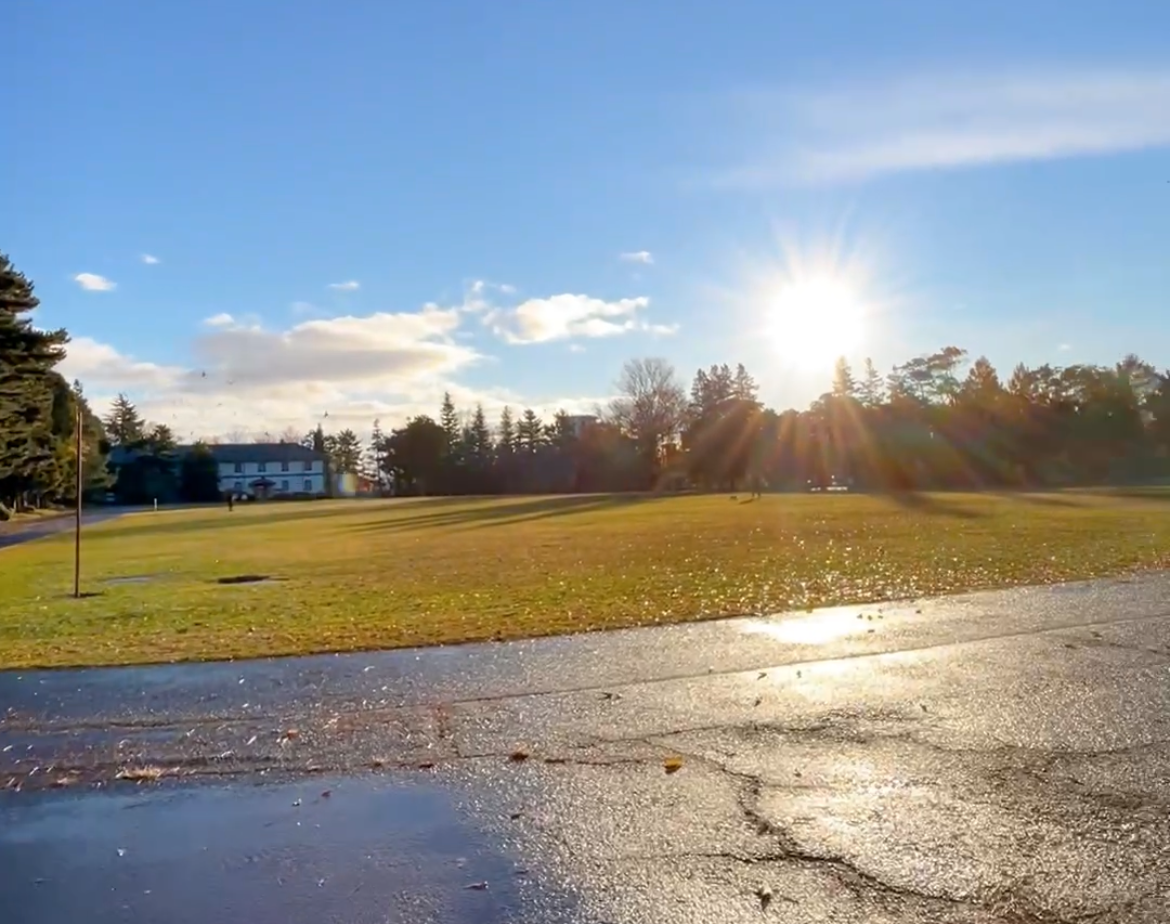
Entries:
{"x":77,"y":513}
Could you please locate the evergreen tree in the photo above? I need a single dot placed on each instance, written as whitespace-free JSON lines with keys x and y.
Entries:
{"x":507,"y":437}
{"x":124,"y":426}
{"x":481,"y":438}
{"x":871,"y":391}
{"x":843,"y":384}
{"x":530,"y":431}
{"x":27,"y":357}
{"x":743,"y":386}
{"x":449,"y":421}
{"x":345,"y":452}
{"x":160,"y":439}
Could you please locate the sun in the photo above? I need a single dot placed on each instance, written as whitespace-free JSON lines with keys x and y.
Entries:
{"x":812,"y":321}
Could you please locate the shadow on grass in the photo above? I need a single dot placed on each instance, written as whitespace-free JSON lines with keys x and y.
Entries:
{"x":1151,"y":493}
{"x":1038,"y":500}
{"x":931,"y":504}
{"x":258,"y":515}
{"x":496,"y":513}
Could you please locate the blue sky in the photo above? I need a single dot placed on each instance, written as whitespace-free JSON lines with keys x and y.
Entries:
{"x":521,"y":196}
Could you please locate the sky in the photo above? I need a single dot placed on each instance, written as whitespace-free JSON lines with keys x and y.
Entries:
{"x":270,"y":214}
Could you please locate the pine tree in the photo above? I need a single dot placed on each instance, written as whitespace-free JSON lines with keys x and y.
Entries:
{"x":27,"y":357}
{"x":160,"y":439}
{"x":481,"y":438}
{"x":345,"y":452}
{"x":507,"y":437}
{"x":743,"y":385}
{"x":449,"y":421}
{"x":124,"y":426}
{"x":871,"y":391}
{"x":843,"y":384}
{"x":530,"y":431}
{"x":377,"y":453}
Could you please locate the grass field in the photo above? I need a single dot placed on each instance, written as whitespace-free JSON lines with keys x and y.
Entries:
{"x":374,"y":574}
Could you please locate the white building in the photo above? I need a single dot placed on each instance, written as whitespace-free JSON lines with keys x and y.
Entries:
{"x":270,"y":469}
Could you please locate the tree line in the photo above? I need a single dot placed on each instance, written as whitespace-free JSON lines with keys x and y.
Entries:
{"x":935,"y":421}
{"x":939,"y":420}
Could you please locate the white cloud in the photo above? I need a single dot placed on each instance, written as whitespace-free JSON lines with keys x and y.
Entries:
{"x":559,"y":317}
{"x":353,"y":368}
{"x":99,"y":366}
{"x":1064,"y":347}
{"x":351,"y":286}
{"x":92,"y":282}
{"x":940,"y":121}
{"x":637,"y":256}
{"x":149,"y":259}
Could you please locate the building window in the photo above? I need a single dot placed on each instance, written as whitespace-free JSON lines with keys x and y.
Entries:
{"x":284,"y":465}
{"x":284,"y":485}
{"x":238,"y":487}
{"x":308,"y":486}
{"x":239,"y":468}
{"x":261,"y":467}
{"x":308,"y":465}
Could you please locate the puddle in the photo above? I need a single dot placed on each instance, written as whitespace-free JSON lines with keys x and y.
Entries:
{"x":319,"y":850}
{"x":131,"y":579}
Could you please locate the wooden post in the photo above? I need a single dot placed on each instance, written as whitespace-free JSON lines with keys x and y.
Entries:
{"x":77,"y":515}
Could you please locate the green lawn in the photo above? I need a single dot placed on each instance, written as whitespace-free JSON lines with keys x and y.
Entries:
{"x":378,"y":574}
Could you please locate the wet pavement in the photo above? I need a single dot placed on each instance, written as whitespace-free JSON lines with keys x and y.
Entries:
{"x":999,"y":757}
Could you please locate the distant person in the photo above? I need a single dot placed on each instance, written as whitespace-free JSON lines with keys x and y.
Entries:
{"x":231,"y":502}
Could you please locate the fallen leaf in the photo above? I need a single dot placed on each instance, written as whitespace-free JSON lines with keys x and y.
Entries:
{"x":761,"y":675}
{"x":477,"y":886}
{"x":327,"y":793}
{"x":672,"y":764}
{"x":515,"y":815}
{"x":759,"y":699}
{"x":427,"y":765}
{"x":518,"y":756}
{"x":764,"y":894}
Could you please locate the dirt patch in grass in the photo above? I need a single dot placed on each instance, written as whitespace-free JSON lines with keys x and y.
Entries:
{"x":381,"y":574}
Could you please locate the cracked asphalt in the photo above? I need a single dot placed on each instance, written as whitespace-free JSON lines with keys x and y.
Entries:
{"x":1001,"y":758}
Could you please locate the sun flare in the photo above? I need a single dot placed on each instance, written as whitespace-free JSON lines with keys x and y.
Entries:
{"x":814,"y":320}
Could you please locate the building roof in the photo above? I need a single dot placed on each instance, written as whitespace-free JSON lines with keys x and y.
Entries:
{"x":229,"y":453}
{"x":263,"y":452}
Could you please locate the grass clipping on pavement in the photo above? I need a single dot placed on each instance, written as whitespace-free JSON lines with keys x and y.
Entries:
{"x":354,"y":575}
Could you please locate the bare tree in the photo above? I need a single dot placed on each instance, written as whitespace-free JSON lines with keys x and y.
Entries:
{"x":290,"y":435}
{"x":651,"y":405}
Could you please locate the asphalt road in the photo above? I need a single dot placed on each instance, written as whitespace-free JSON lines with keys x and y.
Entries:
{"x":1000,"y":757}
{"x":19,"y":532}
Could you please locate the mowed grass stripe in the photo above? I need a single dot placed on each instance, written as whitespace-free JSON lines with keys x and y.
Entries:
{"x":379,"y":574}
